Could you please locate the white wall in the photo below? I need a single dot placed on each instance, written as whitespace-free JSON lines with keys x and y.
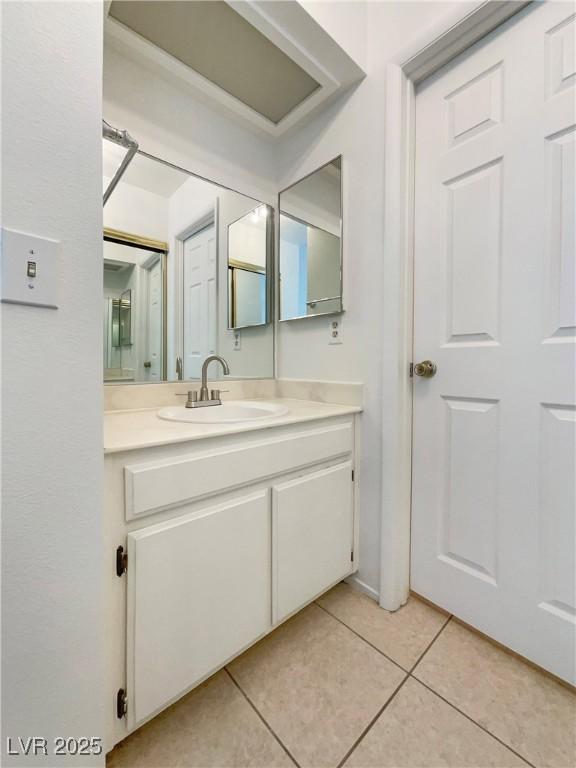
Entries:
{"x":347,"y":24}
{"x":355,"y":127}
{"x":137,"y":211}
{"x":52,"y":462}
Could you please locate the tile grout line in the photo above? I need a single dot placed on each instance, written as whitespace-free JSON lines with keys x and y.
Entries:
{"x":397,"y":689}
{"x":409,"y":674}
{"x":372,"y":722}
{"x":471,"y":719}
{"x":261,"y":716}
{"x":388,"y":658}
{"x":430,"y":644}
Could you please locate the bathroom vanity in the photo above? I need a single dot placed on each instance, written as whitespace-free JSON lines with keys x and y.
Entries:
{"x":223,"y":516}
{"x":217,"y":533}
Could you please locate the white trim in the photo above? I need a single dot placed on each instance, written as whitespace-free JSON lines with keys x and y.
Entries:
{"x":460,"y":29}
{"x":361,"y":586}
{"x":453,"y":34}
{"x":206,"y":219}
{"x":151,"y":260}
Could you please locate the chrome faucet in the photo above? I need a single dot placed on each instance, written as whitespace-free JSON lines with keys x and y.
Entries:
{"x":204,"y":396}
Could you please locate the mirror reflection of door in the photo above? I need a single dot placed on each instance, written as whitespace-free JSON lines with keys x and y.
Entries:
{"x":154,"y":322}
{"x":133,"y":307}
{"x":200,"y":308}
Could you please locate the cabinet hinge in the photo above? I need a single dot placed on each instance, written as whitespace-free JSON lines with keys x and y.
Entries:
{"x":121,"y":703}
{"x":351,"y":555}
{"x":411,"y":370}
{"x":121,"y":561}
{"x":353,"y":475}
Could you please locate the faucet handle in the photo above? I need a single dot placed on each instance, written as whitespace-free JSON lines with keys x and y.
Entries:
{"x":191,"y":395}
{"x":215,"y":393}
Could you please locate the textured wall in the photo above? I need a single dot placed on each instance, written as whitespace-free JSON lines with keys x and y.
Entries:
{"x":52,"y":552}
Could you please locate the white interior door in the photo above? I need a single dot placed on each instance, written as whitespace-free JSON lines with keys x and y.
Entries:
{"x":493,"y":532}
{"x":200,"y":300}
{"x":154,"y":322}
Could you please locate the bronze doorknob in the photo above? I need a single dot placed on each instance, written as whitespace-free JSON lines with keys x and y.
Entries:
{"x":426,"y":369}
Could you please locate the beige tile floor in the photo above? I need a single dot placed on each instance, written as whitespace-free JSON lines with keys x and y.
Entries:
{"x":344,"y":683}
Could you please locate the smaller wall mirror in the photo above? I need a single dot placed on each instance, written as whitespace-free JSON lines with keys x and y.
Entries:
{"x":311,"y":244}
{"x":249,"y":242}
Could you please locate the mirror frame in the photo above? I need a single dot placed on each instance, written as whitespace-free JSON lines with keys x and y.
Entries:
{"x":269,"y":268}
{"x":295,"y":218}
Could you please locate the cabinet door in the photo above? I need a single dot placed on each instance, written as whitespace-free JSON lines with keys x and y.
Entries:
{"x":312,"y":519}
{"x":198,"y":592}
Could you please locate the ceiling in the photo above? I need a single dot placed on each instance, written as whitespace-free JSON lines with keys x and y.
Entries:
{"x":211,"y":38}
{"x":268,"y":62}
{"x":142,"y":172}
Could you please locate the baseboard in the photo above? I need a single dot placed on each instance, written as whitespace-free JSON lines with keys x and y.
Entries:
{"x":355,"y":582}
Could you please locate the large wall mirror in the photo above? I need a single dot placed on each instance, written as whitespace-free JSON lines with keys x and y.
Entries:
{"x":311,"y":244}
{"x":186,"y":269}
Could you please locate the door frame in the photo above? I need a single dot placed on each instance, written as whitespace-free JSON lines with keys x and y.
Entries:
{"x":453,"y":34}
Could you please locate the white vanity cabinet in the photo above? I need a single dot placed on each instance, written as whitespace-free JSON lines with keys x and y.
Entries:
{"x":312,"y":536}
{"x":225,"y":537}
{"x":198,"y":590}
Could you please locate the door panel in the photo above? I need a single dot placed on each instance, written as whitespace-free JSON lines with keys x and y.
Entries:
{"x":470,"y":503}
{"x":560,"y":302}
{"x":493,"y":474}
{"x":556,"y":508}
{"x":198,"y":590}
{"x":475,"y":106}
{"x":312,"y":525}
{"x":473,"y":259}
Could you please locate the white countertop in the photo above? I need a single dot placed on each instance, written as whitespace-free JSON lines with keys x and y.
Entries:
{"x":133,"y":429}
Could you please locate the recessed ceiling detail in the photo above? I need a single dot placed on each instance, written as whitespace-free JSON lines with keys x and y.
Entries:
{"x":216,"y":42}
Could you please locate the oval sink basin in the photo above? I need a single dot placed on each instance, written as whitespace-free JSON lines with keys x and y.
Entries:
{"x":229,"y":412}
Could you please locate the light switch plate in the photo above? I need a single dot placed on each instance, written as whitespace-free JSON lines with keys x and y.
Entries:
{"x":29,"y":269}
